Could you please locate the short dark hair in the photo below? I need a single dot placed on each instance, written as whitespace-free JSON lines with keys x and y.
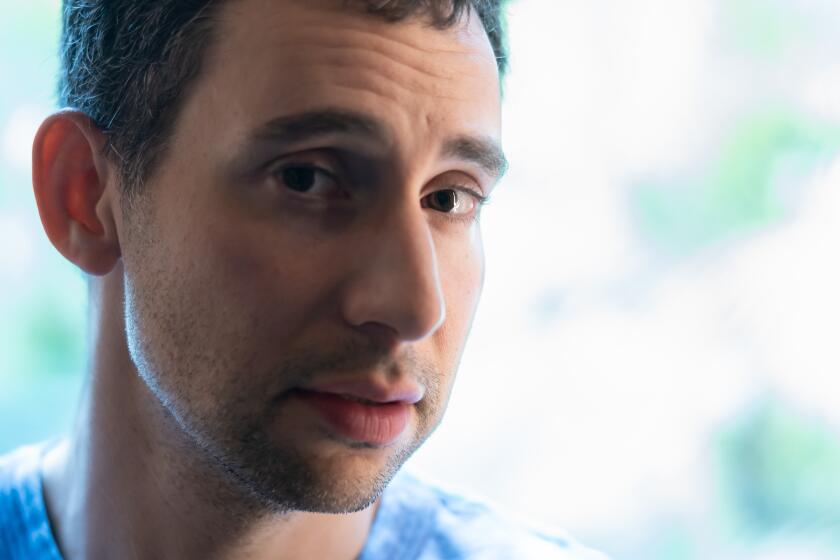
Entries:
{"x":127,"y":63}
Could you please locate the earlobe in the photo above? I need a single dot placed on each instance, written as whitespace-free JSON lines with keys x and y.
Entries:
{"x":70,"y":177}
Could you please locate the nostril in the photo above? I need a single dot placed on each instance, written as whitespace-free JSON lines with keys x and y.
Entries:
{"x":380,"y":334}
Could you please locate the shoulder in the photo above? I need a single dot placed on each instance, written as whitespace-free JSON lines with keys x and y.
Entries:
{"x":426,"y":522}
{"x":24,"y":525}
{"x":18,"y":475}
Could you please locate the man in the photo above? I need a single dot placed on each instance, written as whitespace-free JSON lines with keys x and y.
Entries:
{"x":277,"y":203}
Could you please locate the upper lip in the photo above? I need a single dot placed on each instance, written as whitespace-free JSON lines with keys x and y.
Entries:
{"x":368,"y":389}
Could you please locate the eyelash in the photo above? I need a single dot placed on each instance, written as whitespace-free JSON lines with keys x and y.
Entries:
{"x":480,"y":199}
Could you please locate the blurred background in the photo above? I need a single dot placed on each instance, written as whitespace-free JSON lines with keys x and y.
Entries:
{"x":652,"y":366}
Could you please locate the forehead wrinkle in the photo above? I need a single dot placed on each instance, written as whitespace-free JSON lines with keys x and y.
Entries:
{"x":352,"y":39}
{"x":378,"y":36}
{"x":384,"y":90}
{"x":360,"y":31}
{"x":345,"y":55}
{"x":409,"y":74}
{"x":434,"y":63}
{"x":356,"y":19}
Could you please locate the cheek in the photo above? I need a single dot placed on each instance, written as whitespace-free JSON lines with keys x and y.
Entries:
{"x":273,"y":289}
{"x":462,"y":277}
{"x":466,"y":276}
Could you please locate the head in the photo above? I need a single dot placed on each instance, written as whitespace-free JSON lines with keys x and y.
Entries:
{"x":295,"y":189}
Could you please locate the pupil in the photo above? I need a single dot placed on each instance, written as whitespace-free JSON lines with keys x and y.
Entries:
{"x":299,"y":179}
{"x":445,"y":200}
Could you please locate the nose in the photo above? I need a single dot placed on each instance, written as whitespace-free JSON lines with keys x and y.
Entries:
{"x":396,"y":283}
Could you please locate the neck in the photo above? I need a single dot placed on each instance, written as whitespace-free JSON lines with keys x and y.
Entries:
{"x":130,"y":484}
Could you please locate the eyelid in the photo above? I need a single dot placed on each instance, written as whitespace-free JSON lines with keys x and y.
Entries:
{"x":315,"y":158}
{"x":308,"y":162}
{"x":480,"y":198}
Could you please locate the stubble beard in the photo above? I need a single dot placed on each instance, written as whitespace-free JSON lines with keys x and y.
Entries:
{"x":279,"y":477}
{"x":200,"y":389}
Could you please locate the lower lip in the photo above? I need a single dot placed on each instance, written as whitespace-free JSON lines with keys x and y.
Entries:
{"x":379,"y":424}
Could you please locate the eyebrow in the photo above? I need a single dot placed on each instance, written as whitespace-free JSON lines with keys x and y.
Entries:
{"x":305,"y":126}
{"x":483,"y":152}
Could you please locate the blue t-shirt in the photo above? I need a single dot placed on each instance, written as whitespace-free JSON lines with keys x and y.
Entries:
{"x":415,"y":521}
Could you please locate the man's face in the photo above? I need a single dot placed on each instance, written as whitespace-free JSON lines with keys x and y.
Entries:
{"x":313,"y":224}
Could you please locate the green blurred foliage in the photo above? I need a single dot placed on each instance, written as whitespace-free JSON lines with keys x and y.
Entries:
{"x":763,"y":28}
{"x":778,"y":470}
{"x":677,"y":543}
{"x":49,"y":338}
{"x":746,"y":187}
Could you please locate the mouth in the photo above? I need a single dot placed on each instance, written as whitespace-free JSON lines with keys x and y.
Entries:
{"x":362,"y":400}
{"x":370,"y":391}
{"x":358,"y":418}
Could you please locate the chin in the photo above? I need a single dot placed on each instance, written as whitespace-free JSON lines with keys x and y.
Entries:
{"x":330,"y":477}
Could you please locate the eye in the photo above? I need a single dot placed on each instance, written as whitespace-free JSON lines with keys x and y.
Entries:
{"x":307,"y":179}
{"x":456,"y":201}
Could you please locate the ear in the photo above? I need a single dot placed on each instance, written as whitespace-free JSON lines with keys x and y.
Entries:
{"x":70,"y":175}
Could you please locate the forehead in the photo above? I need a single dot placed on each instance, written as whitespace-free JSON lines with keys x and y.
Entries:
{"x":273,"y":58}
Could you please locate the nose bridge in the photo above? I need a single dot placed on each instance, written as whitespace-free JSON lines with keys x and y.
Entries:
{"x":398,"y":282}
